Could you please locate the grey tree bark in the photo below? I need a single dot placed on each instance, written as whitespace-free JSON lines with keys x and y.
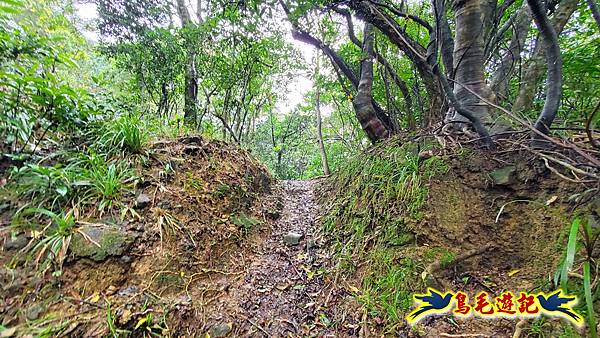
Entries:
{"x":363,"y":105}
{"x":469,"y":59}
{"x":512,"y":56}
{"x":554,"y":79}
{"x":388,"y":68}
{"x":371,"y":13}
{"x":537,"y":64}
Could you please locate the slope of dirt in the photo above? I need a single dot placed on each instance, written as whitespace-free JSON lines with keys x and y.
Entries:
{"x":514,"y":227}
{"x":206,"y":257}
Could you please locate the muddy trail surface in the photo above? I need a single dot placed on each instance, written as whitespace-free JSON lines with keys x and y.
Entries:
{"x":283,"y":292}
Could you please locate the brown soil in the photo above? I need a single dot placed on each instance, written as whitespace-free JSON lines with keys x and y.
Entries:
{"x":208,"y":256}
{"x":524,"y":222}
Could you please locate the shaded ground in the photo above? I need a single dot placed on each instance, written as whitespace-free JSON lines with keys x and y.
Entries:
{"x":283,"y":291}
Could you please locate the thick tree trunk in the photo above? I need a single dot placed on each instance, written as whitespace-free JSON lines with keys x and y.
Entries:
{"x":380,"y":114}
{"x":363,"y":105}
{"x":324,"y":161}
{"x":388,"y":68}
{"x":469,"y":59}
{"x":191,"y":81}
{"x":536,"y":66}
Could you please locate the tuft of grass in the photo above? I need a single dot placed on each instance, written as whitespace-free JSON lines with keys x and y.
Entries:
{"x":55,"y":237}
{"x":125,"y":135}
{"x":108,"y":183}
{"x":84,"y":180}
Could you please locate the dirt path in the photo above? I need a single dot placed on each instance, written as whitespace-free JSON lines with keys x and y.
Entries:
{"x":283,"y":286}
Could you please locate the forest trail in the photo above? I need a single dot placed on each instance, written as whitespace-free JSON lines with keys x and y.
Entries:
{"x":283,"y":290}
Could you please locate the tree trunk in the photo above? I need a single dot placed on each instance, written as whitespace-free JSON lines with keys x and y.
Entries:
{"x":387,"y":69}
{"x":512,"y":56}
{"x":469,"y":59}
{"x":445,"y":37}
{"x":363,"y":105}
{"x":191,"y":81}
{"x":536,"y":66}
{"x":554,"y":80}
{"x":370,"y":13}
{"x":324,"y":161}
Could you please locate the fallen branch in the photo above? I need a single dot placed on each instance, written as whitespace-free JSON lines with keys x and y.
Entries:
{"x":437,"y":265}
{"x":519,"y":328}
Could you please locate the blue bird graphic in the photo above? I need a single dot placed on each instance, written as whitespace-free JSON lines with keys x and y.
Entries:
{"x":554,"y":303}
{"x":434,"y":302}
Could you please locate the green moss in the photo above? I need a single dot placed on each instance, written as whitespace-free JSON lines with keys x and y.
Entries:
{"x":192,"y":184}
{"x":112,"y":241}
{"x":244,"y":222}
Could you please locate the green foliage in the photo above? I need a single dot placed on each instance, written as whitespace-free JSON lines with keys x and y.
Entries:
{"x":35,"y":60}
{"x":244,"y":222}
{"x":582,"y":289}
{"x":125,"y":135}
{"x":589,"y":301}
{"x":387,"y":289}
{"x":56,"y":236}
{"x":570,"y":255}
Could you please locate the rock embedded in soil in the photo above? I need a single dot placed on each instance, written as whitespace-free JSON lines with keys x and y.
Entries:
{"x":292,"y":238}
{"x":504,"y":175}
{"x":16,"y":243}
{"x":142,"y":201}
{"x":34,"y":312}
{"x":221,"y":330}
{"x":112,"y":241}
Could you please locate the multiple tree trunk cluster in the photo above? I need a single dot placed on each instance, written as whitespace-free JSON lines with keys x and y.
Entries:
{"x":485,"y":42}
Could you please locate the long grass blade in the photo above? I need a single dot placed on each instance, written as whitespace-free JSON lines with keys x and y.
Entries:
{"x":589,"y":301}
{"x":571,"y":248}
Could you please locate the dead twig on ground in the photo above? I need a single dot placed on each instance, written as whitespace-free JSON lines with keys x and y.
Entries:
{"x":256,"y":326}
{"x":437,"y":265}
{"x":519,"y":328}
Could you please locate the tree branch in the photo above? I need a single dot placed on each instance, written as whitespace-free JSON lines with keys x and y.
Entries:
{"x":554,"y":78}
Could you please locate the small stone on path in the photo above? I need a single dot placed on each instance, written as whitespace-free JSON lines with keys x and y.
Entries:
{"x":142,"y":201}
{"x":292,"y":238}
{"x":221,"y":330}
